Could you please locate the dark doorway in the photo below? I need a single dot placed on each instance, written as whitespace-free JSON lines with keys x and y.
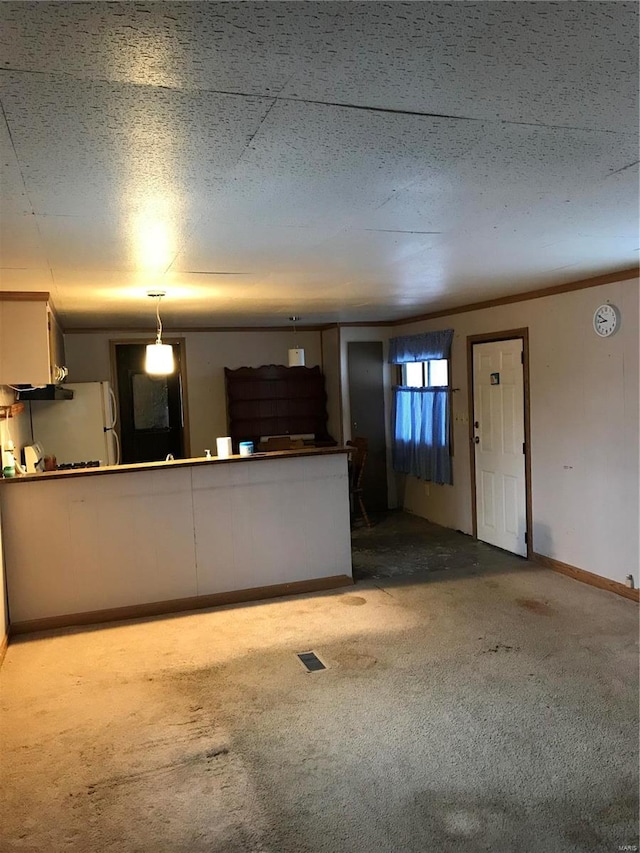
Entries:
{"x":366,"y":394}
{"x":151,"y":409}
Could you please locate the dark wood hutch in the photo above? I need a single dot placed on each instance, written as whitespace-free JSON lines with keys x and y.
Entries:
{"x":274,"y":400}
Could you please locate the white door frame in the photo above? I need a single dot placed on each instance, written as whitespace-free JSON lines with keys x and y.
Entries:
{"x":490,"y":337}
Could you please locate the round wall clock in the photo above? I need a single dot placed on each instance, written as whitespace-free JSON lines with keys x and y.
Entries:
{"x":606,"y":319}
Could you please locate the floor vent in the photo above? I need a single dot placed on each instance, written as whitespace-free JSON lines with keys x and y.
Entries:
{"x":311,"y":661}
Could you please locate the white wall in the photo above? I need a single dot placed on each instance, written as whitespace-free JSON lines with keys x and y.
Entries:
{"x":584,"y":428}
{"x":207,"y":354}
{"x":19,"y":428}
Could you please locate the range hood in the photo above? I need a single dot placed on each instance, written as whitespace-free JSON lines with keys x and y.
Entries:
{"x":44,"y":392}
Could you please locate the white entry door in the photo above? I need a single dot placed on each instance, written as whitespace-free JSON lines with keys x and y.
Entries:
{"x":498,"y":403}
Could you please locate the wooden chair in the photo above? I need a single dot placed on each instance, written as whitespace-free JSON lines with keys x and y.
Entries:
{"x":358,"y":457}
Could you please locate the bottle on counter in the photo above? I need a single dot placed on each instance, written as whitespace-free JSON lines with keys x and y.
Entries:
{"x":8,"y":461}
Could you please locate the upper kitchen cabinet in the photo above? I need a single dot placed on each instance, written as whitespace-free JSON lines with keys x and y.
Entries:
{"x":31,"y":342}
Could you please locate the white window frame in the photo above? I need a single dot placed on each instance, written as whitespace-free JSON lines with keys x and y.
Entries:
{"x":428,"y":367}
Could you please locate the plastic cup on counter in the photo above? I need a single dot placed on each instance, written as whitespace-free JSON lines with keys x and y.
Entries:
{"x":246,"y":448}
{"x":223,"y":447}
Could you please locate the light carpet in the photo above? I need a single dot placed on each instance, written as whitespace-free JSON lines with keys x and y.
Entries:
{"x":487,"y":712}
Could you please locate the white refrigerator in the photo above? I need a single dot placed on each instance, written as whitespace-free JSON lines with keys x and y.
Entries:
{"x":78,"y":430}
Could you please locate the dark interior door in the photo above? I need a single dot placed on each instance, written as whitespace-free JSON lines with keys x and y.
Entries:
{"x":150,"y":408}
{"x":366,"y":394}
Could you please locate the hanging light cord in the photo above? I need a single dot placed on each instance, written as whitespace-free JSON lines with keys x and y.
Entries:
{"x":294,"y":320}
{"x":159,"y":338}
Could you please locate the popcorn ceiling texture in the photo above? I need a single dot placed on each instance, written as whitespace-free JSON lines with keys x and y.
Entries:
{"x":339,"y":160}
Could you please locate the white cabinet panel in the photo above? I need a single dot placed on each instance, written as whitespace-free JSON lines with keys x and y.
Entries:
{"x":289,"y":521}
{"x":31,"y":344}
{"x":103,"y":542}
{"x":87,"y":543}
{"x":41,"y":579}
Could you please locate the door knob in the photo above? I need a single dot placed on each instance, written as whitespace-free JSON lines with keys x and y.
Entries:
{"x":477,"y":439}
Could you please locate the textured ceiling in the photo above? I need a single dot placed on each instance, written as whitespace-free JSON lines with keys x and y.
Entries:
{"x":338,"y":161}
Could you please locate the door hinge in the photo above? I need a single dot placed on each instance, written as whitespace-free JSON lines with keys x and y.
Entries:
{"x":526,"y":538}
{"x":524,"y":447}
{"x":522,"y":357}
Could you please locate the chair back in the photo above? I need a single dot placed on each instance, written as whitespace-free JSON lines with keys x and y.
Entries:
{"x":358,"y":459}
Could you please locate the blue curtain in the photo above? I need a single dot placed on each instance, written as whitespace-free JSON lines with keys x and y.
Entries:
{"x":421,"y":444}
{"x":424,"y":347}
{"x":421,"y":434}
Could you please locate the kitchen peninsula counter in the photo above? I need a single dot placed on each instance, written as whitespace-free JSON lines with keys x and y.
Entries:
{"x":173,"y":463}
{"x":97,"y":544}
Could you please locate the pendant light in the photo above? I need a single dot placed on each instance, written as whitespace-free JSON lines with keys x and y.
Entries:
{"x":159,"y":361}
{"x":296,"y":353}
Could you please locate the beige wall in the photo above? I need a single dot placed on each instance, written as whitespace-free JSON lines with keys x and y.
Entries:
{"x":208,"y":353}
{"x":584,"y":428}
{"x":331,"y":370}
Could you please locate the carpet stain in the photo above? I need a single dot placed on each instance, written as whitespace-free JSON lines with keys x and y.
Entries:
{"x":159,"y":770}
{"x":214,"y":753}
{"x":353,"y":600}
{"x":535,"y":606}
{"x":356,"y":660}
{"x":621,"y":810}
{"x":500,"y":647}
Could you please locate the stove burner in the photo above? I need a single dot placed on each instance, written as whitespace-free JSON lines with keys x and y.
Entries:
{"x":72,"y":466}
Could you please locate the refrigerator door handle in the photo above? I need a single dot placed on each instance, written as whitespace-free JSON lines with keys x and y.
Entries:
{"x":112,"y":427}
{"x":114,"y":408}
{"x":116,"y":442}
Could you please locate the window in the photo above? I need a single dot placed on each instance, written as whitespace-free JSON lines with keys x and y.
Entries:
{"x":422,"y":406}
{"x":426,"y":374}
